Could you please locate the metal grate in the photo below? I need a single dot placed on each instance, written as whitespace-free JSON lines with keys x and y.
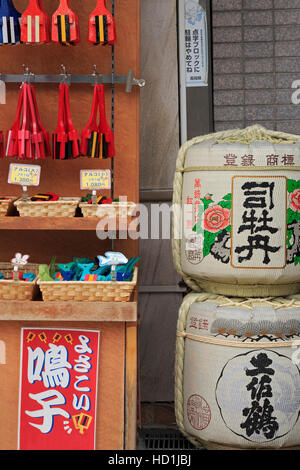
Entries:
{"x":163,"y":439}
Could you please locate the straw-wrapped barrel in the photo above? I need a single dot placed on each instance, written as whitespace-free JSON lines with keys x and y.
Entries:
{"x":237,"y":378}
{"x":236,"y":225}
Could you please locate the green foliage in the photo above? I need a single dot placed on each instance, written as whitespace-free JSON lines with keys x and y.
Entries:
{"x":225,"y":204}
{"x":292,"y":216}
{"x":210,"y":238}
{"x":292,"y":185}
{"x":289,"y":236}
{"x":206,"y":202}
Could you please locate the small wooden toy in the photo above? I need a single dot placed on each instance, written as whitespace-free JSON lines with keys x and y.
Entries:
{"x":35,"y":24}
{"x":112,"y":259}
{"x":10,"y":23}
{"x":86,"y":271}
{"x":102,"y":27}
{"x":45,"y":197}
{"x":65,"y":25}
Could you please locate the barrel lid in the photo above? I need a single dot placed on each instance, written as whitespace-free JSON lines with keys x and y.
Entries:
{"x":276,"y":319}
{"x":249,"y":138}
{"x":214,"y":154}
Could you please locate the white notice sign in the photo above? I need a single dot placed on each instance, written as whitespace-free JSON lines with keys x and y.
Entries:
{"x":196,"y":46}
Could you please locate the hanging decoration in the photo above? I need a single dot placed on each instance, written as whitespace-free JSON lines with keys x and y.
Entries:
{"x":65,"y":25}
{"x":102,"y":26}
{"x":66,"y":138}
{"x":10,"y":23}
{"x":27,"y":138}
{"x":35,"y":24}
{"x":97,"y":140}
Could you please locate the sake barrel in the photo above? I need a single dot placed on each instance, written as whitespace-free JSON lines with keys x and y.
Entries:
{"x":237,"y":377}
{"x":236,"y":203}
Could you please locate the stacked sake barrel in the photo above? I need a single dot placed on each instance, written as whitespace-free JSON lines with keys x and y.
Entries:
{"x":236,"y":243}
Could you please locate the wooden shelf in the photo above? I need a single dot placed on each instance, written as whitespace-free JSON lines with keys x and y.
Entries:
{"x":68,"y":311}
{"x":60,"y":223}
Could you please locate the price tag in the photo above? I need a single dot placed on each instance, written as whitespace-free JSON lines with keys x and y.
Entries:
{"x":25,"y":175}
{"x":95,"y":179}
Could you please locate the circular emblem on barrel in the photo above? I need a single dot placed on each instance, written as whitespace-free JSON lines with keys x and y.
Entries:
{"x":258,"y":395}
{"x":198,"y":412}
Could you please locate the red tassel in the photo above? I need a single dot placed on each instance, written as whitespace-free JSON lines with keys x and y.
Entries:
{"x":109,"y":151}
{"x":91,"y":127}
{"x":66,"y":138}
{"x":27,"y":139}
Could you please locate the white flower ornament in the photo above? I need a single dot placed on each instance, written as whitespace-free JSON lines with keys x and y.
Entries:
{"x":20,"y":260}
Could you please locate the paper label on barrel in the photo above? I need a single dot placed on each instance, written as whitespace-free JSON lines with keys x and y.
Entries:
{"x":258,"y":395}
{"x":241,"y":223}
{"x":58,"y":389}
{"x":259,"y":219}
{"x":25,"y":175}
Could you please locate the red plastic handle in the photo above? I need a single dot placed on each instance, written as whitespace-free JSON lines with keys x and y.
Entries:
{"x":34,"y":8}
{"x":93,"y":119}
{"x":61,"y":110}
{"x":103,"y":126}
{"x":101,"y":5}
{"x":16,"y":124}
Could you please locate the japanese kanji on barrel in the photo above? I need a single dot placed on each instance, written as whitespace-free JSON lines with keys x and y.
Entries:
{"x":237,"y":376}
{"x":236,"y":227}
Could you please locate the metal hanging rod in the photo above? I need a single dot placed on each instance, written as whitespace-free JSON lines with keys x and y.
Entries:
{"x":94,"y":78}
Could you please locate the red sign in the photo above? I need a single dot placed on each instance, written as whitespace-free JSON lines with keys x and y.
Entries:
{"x":58,"y":389}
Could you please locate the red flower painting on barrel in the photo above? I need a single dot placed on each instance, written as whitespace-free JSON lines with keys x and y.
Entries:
{"x":215,"y":218}
{"x":295,"y":200}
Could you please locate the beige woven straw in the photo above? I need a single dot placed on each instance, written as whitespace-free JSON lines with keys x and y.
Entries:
{"x":118,"y":210}
{"x":17,"y":290}
{"x":64,"y":207}
{"x":4,"y":205}
{"x":88,"y":291}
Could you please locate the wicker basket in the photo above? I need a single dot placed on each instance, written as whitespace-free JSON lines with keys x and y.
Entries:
{"x":17,"y":290}
{"x":116,"y":209}
{"x":4,"y":205}
{"x":64,"y":207}
{"x":85,"y":291}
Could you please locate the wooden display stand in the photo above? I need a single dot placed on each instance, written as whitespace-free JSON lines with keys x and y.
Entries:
{"x":65,"y":238}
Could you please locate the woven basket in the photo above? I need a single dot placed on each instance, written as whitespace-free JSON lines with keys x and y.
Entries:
{"x":4,"y":205}
{"x":64,"y":207}
{"x":116,"y":209}
{"x":85,"y":291}
{"x":17,"y":290}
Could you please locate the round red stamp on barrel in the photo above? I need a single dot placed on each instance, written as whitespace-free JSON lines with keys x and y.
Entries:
{"x":198,"y":412}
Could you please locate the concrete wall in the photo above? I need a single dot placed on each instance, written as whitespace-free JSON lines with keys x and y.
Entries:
{"x":256,"y":57}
